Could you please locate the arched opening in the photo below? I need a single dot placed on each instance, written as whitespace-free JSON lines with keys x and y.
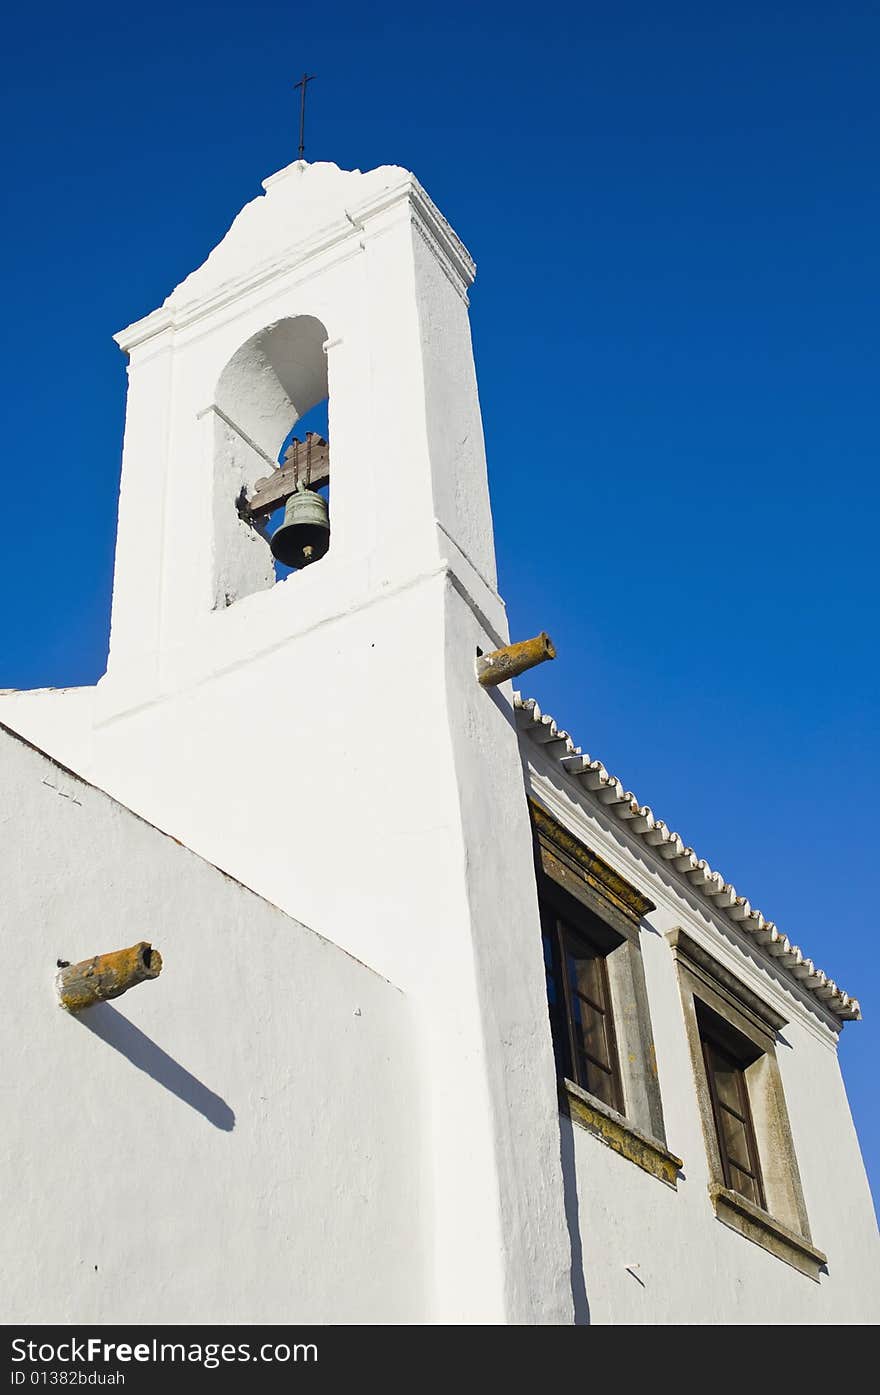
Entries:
{"x":277,"y":376}
{"x":273,"y":388}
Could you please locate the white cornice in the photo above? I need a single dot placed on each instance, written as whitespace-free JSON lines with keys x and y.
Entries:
{"x":442,"y":235}
{"x":147,"y":328}
{"x":186,"y":313}
{"x":352,"y":227}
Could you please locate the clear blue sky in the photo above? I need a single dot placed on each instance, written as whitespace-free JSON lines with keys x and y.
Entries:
{"x":674,"y":210}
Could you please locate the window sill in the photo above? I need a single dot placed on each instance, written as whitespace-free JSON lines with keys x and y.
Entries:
{"x":760,"y":1227}
{"x":609,"y":1126}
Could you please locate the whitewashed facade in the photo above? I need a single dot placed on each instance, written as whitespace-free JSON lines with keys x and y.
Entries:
{"x":324,"y":741}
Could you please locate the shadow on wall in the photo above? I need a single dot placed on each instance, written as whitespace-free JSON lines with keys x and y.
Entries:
{"x":572,"y":1216}
{"x":105,"y":1022}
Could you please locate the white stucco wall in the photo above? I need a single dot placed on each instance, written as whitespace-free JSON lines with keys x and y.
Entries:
{"x":356,"y":819}
{"x":688,"y":1267}
{"x":236,"y":1142}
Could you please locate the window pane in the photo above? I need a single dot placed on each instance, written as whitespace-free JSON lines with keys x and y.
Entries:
{"x":587,"y":977}
{"x":556,"y":1005}
{"x":726,"y":1077}
{"x":552,"y":988}
{"x":599,"y":1083}
{"x":745,"y":1185}
{"x":590,"y":1033}
{"x":735,"y":1140}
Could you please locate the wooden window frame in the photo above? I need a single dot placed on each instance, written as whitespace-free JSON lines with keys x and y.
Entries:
{"x":729,"y":1164}
{"x":559,"y":928}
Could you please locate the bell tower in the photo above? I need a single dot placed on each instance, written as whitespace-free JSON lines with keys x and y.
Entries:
{"x":337,"y":282}
{"x":323,"y":738}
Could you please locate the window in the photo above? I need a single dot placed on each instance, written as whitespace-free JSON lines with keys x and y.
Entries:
{"x":726,"y":1057}
{"x":581,"y":1016}
{"x":754,"y":1182}
{"x":601,"y":1027}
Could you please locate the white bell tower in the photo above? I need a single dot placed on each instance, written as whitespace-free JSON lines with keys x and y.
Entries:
{"x":334,"y":281}
{"x":323,"y":738}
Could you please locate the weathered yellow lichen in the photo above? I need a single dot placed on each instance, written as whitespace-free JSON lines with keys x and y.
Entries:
{"x":107,"y":975}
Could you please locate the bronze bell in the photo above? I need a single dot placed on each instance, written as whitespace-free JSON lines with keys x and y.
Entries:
{"x":304,"y":536}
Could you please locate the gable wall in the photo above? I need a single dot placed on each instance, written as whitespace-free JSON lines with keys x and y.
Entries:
{"x":226,"y":1144}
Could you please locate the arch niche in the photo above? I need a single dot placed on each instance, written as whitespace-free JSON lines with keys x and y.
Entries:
{"x":272,"y":380}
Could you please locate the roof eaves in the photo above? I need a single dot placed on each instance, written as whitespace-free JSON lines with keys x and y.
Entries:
{"x":592,"y":776}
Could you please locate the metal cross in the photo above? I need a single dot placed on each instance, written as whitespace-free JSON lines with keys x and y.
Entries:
{"x":303,"y":82}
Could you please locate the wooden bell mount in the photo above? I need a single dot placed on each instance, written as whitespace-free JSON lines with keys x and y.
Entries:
{"x":309,"y":458}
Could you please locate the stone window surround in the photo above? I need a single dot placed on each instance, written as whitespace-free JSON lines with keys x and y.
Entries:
{"x":783,"y":1229}
{"x":568,"y":868}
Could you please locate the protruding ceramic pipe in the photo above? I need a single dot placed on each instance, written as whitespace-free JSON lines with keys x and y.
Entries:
{"x":506,"y":663}
{"x":107,"y":975}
